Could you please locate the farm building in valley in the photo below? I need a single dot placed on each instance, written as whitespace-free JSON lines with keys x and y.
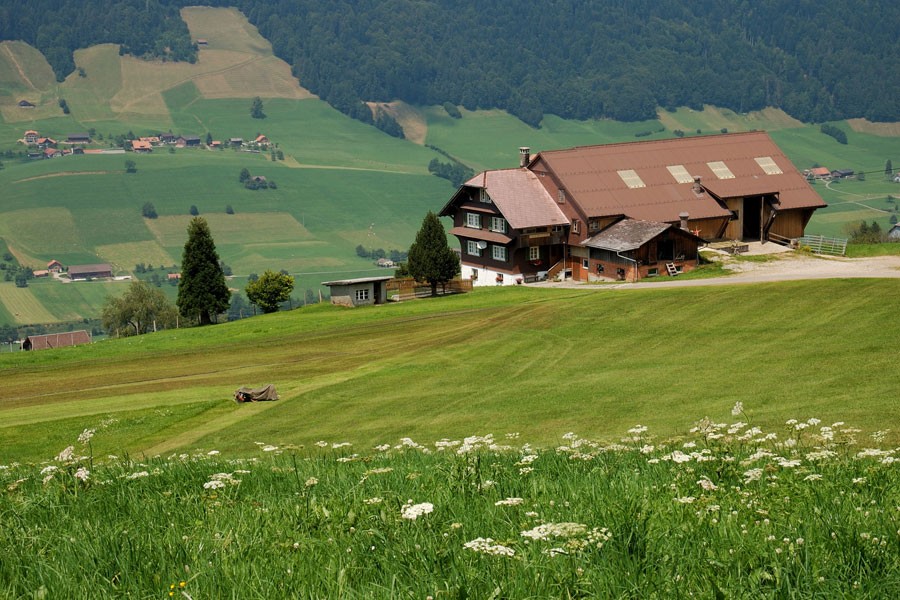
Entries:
{"x":56,"y":340}
{"x":626,"y":211}
{"x":98,"y":271}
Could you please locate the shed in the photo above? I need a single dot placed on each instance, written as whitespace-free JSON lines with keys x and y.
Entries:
{"x":97,"y":271}
{"x":25,"y":104}
{"x":79,"y":138}
{"x":358,"y":292}
{"x":56,"y":340}
{"x":894,"y":232}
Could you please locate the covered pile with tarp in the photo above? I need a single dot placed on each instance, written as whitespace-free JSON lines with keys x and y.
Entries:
{"x":246,"y":394}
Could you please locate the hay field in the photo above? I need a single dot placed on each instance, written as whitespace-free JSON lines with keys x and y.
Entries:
{"x":22,"y":304}
{"x":125,"y":256}
{"x":237,"y":61}
{"x":712,"y":120}
{"x":25,"y":75}
{"x":28,"y":233}
{"x":269,"y":227}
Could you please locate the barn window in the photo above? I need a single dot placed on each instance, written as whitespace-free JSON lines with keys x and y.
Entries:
{"x":720,"y":169}
{"x":768,"y":165}
{"x":680,"y":174}
{"x":362,"y":294}
{"x":631,"y":178}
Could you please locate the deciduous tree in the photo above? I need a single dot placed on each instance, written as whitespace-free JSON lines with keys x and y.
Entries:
{"x":270,"y":290}
{"x":202,"y":292}
{"x":430,"y":257}
{"x":141,"y":309}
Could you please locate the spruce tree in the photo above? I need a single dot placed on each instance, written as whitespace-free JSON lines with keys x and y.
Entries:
{"x":430,"y":257}
{"x":202,"y":292}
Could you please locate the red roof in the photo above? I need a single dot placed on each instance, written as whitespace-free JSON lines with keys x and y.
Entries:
{"x":591,"y":176}
{"x":520,"y":197}
{"x":56,"y":340}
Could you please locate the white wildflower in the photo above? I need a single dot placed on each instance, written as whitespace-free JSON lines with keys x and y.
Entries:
{"x":66,"y":455}
{"x":269,"y":448}
{"x":48,"y":469}
{"x":375,"y":500}
{"x":412,"y":511}
{"x":707,"y":485}
{"x":509,"y":502}
{"x":752,"y":475}
{"x":214,"y":484}
{"x":86,"y":435}
{"x":82,"y":474}
{"x":322,"y":444}
{"x":487,"y":546}
{"x":213,"y":453}
{"x":138,"y":475}
{"x":555,"y":530}
{"x":685,"y":500}
{"x":311,"y":482}
{"x":737,"y":409}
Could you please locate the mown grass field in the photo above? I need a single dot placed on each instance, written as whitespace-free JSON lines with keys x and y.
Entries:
{"x":341,"y":183}
{"x":536,"y":361}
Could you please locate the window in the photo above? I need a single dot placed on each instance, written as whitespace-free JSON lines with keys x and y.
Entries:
{"x":473,"y":220}
{"x":680,"y":174}
{"x":498,"y":253}
{"x":483,"y":197}
{"x":593,"y":225}
{"x":534,"y":253}
{"x":472,"y":248}
{"x":768,"y":165}
{"x":561,"y":196}
{"x":631,"y":178}
{"x":498,"y":224}
{"x":576,"y":226}
{"x":586,"y":264}
{"x":362,"y":294}
{"x":720,"y":169}
{"x":556,"y":228}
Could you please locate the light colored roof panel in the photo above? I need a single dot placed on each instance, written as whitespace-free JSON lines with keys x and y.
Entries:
{"x":768,"y":165}
{"x":680,"y":174}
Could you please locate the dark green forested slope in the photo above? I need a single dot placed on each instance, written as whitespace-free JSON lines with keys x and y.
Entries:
{"x":818,"y":60}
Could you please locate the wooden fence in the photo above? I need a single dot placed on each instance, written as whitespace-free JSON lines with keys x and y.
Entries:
{"x":410,"y":289}
{"x":823,"y":245}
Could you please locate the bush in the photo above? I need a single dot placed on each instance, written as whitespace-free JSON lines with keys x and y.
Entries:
{"x":838,"y":134}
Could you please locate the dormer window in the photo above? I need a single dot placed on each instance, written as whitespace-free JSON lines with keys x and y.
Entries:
{"x":483,"y":196}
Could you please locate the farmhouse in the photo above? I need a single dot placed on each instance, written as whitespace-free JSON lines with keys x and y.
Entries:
{"x":167,"y":138}
{"x":236,"y":142}
{"x":54,"y":266}
{"x":141,"y":146}
{"x":261,"y":140}
{"x":45,"y":142}
{"x":98,"y":271}
{"x":537,"y":220}
{"x":187,"y":141}
{"x":358,"y":292}
{"x":31,"y":136}
{"x":56,"y":340}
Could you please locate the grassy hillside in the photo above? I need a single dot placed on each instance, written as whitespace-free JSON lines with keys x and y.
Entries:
{"x":536,"y":361}
{"x":340,"y":184}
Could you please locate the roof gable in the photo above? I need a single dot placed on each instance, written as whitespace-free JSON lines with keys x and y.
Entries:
{"x":518,"y":195}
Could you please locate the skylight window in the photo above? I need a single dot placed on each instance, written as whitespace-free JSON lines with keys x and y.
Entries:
{"x":680,"y":174}
{"x":631,"y":179}
{"x":768,"y":165}
{"x":720,"y":170}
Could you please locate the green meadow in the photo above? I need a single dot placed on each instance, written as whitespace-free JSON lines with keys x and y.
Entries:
{"x":537,"y":361}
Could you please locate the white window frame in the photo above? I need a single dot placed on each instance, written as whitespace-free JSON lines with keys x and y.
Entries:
{"x":576,"y":226}
{"x":593,"y":225}
{"x":498,"y":224}
{"x":534,"y":253}
{"x":362,"y":294}
{"x":499,"y":253}
{"x":473,"y":220}
{"x":483,"y":196}
{"x":472,"y":248}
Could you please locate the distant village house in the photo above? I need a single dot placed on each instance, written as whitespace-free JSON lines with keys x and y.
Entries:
{"x":98,"y":271}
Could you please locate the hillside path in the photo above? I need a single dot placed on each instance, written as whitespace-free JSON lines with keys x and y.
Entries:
{"x":21,"y":71}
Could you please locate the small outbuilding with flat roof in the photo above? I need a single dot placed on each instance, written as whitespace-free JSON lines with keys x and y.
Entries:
{"x":358,"y":292}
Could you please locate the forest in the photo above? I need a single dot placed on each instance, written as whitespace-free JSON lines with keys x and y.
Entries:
{"x":619,"y":59}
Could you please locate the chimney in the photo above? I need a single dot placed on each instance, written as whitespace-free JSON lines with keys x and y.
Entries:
{"x":698,"y":189}
{"x":684,"y":220}
{"x":524,"y":156}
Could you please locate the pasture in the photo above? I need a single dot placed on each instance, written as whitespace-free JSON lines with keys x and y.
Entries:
{"x":537,"y":361}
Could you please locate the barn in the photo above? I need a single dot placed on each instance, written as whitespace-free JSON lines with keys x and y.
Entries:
{"x":56,"y":340}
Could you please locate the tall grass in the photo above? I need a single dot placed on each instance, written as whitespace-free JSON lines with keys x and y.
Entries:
{"x":725,"y":510}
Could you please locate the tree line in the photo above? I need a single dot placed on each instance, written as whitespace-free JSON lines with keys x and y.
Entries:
{"x":821,"y":61}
